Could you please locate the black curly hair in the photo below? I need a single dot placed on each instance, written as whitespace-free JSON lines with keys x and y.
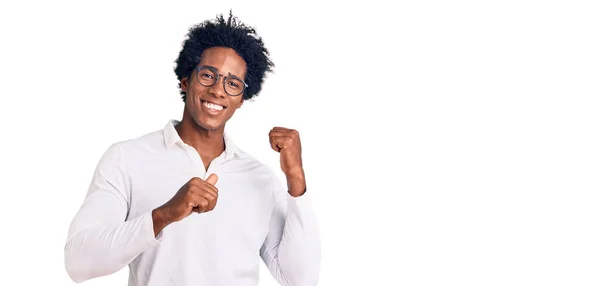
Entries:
{"x":230,"y":33}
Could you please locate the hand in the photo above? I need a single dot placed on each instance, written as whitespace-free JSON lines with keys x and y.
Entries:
{"x":196,"y":195}
{"x":287,"y":143}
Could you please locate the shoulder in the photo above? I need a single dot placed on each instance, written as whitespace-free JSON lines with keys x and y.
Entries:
{"x":125,"y":150}
{"x":252,"y":164}
{"x":149,"y":141}
{"x":254,"y":167}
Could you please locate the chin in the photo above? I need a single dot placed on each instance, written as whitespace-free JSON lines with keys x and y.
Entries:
{"x":209,"y":125}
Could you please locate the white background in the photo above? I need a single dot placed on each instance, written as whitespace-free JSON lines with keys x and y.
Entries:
{"x":445,"y":143}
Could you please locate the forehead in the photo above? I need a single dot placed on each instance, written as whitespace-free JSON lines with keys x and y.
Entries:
{"x":225,"y":60}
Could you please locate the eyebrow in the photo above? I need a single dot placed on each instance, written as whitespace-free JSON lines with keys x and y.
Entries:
{"x":214,"y":68}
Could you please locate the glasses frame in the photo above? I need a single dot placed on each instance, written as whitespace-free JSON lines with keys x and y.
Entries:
{"x":225,"y":78}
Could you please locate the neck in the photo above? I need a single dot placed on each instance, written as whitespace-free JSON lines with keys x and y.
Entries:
{"x":209,"y":143}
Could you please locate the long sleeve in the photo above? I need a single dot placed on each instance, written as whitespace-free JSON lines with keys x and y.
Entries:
{"x":100,"y":240}
{"x":292,"y":249}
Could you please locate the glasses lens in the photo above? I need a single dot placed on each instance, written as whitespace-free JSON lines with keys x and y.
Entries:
{"x":234,"y":86}
{"x":206,"y":76}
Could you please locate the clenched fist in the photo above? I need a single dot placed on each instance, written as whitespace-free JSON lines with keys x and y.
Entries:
{"x":196,"y":195}
{"x":287,"y":143}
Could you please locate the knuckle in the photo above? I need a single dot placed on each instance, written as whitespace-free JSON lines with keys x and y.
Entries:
{"x":191,"y":189}
{"x":192,"y":184}
{"x":203,"y":203}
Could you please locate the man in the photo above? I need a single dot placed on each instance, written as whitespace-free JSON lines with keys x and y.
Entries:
{"x":184,"y":205}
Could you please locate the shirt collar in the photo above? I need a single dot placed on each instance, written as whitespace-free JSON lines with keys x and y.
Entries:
{"x":172,"y":138}
{"x":170,"y":134}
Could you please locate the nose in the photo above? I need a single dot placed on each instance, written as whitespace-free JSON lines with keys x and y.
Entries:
{"x":218,"y":89}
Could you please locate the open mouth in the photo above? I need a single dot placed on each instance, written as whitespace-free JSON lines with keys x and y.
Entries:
{"x":212,"y":106}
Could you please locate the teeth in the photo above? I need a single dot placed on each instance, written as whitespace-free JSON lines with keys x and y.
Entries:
{"x":213,"y":106}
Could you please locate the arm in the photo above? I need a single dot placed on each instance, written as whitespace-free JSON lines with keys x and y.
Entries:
{"x":100,"y":242}
{"x":291,"y":250}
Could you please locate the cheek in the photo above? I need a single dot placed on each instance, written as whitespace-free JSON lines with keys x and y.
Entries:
{"x":193,"y":95}
{"x":196,"y":89}
{"x":237,"y":104}
{"x":193,"y":104}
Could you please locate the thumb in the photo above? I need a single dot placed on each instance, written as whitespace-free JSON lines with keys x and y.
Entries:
{"x":212,"y":179}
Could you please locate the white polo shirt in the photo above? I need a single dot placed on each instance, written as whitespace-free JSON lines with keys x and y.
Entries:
{"x":254,"y":217}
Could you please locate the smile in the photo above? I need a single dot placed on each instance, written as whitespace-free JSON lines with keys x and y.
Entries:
{"x":212,"y":106}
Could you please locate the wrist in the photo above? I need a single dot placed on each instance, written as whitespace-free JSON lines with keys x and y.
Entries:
{"x":159,"y":220}
{"x":296,"y":184}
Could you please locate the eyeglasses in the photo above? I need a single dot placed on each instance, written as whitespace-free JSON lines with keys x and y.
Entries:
{"x":208,"y":76}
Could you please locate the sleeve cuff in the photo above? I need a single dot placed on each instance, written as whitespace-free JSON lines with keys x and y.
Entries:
{"x":149,"y":225}
{"x":303,"y":202}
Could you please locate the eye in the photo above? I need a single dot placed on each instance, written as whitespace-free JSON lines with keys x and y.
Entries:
{"x":233,"y":84}
{"x":206,"y":75}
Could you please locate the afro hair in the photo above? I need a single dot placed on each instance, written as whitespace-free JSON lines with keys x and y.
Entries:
{"x":230,"y":33}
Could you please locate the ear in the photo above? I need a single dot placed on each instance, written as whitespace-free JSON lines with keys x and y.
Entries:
{"x":241,"y":103}
{"x":184,"y":84}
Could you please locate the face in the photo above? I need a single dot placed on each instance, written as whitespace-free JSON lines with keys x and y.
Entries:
{"x":211,"y":107}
